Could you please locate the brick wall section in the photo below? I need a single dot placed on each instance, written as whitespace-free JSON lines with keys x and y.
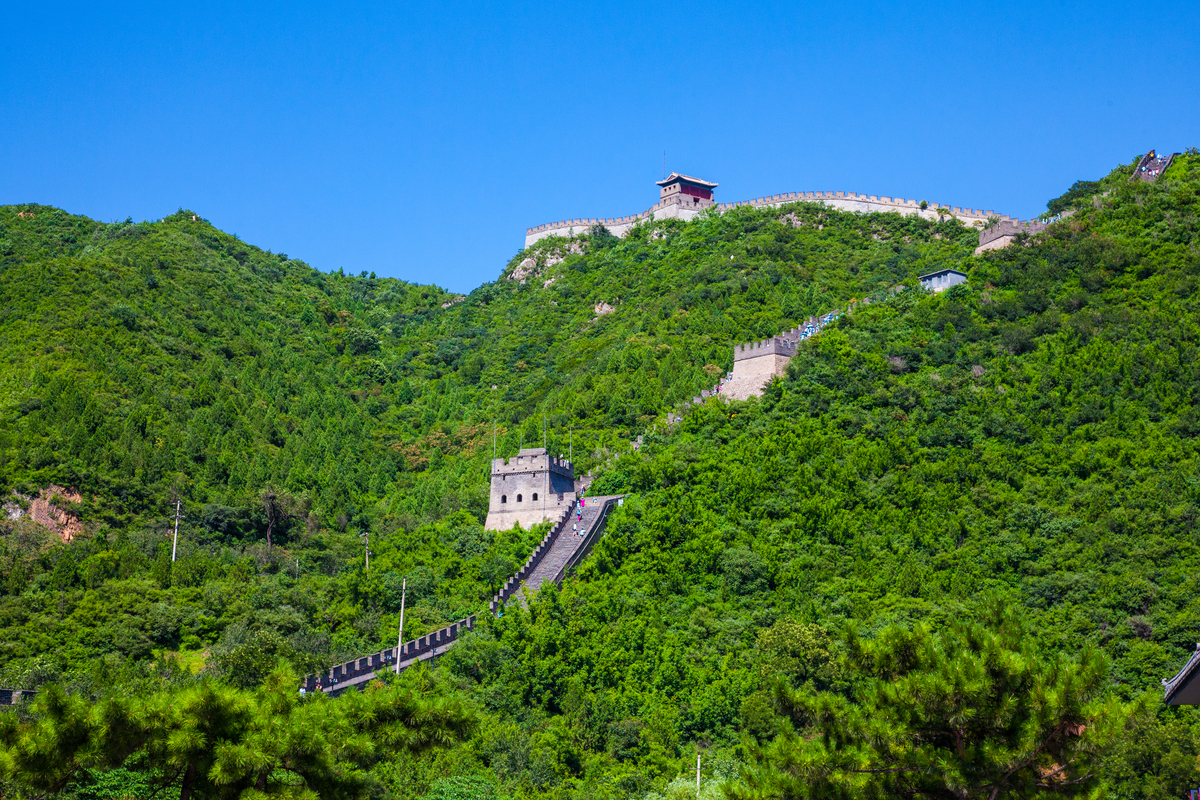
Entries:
{"x":1002,"y":233}
{"x":754,"y":365}
{"x":358,"y":672}
{"x":845,"y":201}
{"x":513,"y":584}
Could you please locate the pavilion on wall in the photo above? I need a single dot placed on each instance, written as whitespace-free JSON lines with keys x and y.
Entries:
{"x":686,"y":190}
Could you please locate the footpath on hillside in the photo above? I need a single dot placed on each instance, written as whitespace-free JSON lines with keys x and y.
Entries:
{"x":556,"y":556}
{"x":568,"y":548}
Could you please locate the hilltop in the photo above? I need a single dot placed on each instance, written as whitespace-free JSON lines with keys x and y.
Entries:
{"x":1029,"y":436}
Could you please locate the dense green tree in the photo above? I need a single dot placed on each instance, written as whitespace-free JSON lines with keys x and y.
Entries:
{"x":972,"y":709}
{"x":212,"y":741}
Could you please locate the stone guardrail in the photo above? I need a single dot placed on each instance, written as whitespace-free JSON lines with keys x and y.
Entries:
{"x":786,"y":197}
{"x":358,"y":671}
{"x":590,"y":541}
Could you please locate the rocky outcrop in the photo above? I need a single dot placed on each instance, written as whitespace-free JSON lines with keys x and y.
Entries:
{"x":48,"y":510}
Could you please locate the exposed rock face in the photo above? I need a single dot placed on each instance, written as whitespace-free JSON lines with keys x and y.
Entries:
{"x":453,"y":301}
{"x":524,"y":270}
{"x":543,"y":258}
{"x":45,"y":513}
{"x":603,"y":308}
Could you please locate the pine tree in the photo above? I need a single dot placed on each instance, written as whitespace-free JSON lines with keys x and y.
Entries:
{"x":216,"y":741}
{"x":969,"y":711}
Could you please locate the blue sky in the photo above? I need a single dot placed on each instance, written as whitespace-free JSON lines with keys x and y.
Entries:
{"x":419,"y":141}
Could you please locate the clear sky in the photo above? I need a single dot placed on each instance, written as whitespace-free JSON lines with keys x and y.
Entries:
{"x":420,"y":140}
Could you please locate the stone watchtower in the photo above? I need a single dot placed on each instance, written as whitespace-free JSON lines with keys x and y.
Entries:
{"x":754,"y":365}
{"x":684,"y":190}
{"x":531,"y":487}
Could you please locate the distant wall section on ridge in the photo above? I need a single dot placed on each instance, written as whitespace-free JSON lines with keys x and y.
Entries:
{"x":843,"y":201}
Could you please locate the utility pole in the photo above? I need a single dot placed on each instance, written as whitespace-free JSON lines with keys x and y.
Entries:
{"x":697,"y":775}
{"x":367,"y":547}
{"x":400,"y":635}
{"x":175,"y":539}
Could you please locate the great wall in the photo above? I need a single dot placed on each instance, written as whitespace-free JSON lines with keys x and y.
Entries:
{"x":545,"y":478}
{"x":678,"y":208}
{"x":684,"y":197}
{"x":558,"y":554}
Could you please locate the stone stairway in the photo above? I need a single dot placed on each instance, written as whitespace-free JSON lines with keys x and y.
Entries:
{"x":565,"y":551}
{"x":566,"y":545}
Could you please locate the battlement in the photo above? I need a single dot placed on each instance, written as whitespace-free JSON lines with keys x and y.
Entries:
{"x":355,"y":674}
{"x":682,"y":207}
{"x":533,"y":460}
{"x":884,"y":203}
{"x":775,"y":346}
{"x":756,"y":363}
{"x":1001,"y":233}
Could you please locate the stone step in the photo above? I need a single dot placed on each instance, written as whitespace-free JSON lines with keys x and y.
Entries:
{"x":564,"y":547}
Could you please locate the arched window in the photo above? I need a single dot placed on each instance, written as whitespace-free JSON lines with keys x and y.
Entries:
{"x":503,"y":498}
{"x":535,"y":497}
{"x":518,"y":498}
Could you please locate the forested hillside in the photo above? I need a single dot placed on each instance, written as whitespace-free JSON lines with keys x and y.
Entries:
{"x":1021,"y":448}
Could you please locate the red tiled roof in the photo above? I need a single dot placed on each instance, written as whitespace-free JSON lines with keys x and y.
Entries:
{"x":675,"y":176}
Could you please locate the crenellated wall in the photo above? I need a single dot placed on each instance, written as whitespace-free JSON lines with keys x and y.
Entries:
{"x":360,"y":671}
{"x":511,"y":585}
{"x":845,"y":201}
{"x":1003,"y":232}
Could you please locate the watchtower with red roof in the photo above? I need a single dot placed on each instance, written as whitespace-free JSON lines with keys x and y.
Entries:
{"x":686,"y":191}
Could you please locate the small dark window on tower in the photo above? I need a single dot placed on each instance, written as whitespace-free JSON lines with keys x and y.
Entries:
{"x":518,"y":498}
{"x":503,"y":498}
{"x":535,"y":497}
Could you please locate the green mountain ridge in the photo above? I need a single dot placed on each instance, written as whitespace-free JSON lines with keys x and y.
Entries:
{"x":1029,"y":437}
